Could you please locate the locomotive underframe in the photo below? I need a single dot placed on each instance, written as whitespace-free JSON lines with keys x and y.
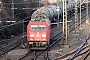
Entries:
{"x":38,"y":45}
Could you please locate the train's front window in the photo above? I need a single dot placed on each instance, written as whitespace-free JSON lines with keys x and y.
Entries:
{"x":38,"y":27}
{"x":42,"y":27}
{"x":34,"y":27}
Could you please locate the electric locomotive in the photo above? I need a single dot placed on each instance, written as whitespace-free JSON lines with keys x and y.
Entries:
{"x":38,"y":29}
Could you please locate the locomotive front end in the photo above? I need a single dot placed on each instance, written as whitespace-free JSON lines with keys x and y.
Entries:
{"x":38,"y":35}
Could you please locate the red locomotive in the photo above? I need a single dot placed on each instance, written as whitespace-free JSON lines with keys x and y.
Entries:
{"x":38,"y":29}
{"x":38,"y":34}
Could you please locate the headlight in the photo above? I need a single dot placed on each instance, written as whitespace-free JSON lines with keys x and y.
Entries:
{"x":31,"y":39}
{"x":31,"y":35}
{"x":43,"y":38}
{"x":43,"y":35}
{"x":30,"y":42}
{"x":44,"y":43}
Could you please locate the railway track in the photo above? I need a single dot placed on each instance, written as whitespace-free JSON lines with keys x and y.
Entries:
{"x":12,"y":44}
{"x":52,"y":43}
{"x":36,"y":55}
{"x":7,"y":45}
{"x":75,"y":53}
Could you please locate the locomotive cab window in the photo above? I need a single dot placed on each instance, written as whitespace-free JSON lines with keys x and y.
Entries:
{"x":34,"y":27}
{"x":38,"y":27}
{"x":42,"y":27}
